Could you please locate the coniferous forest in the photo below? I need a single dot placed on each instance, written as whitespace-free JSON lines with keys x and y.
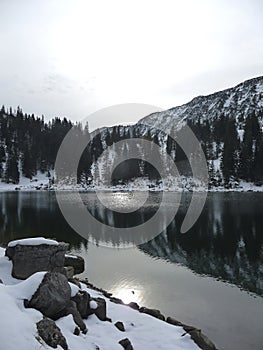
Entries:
{"x":29,"y":144}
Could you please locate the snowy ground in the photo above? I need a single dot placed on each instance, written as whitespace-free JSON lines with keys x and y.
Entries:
{"x":18,"y":325}
{"x":41,"y":183}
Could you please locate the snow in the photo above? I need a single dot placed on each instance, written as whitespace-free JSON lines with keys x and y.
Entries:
{"x":32,"y":241}
{"x":39,"y":182}
{"x":74,"y":289}
{"x":169,"y":184}
{"x":71,"y":256}
{"x":93,"y":304}
{"x":18,"y":324}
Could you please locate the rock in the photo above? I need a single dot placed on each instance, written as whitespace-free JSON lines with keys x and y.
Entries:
{"x":52,"y":296}
{"x":69,"y":271}
{"x":179,"y":324}
{"x":174,"y":322}
{"x":74,"y":281}
{"x":53,"y":299}
{"x":198,"y":337}
{"x":76,"y":331}
{"x":126,"y":344}
{"x":1,"y":282}
{"x":28,"y":259}
{"x":201,"y":340}
{"x":100,"y":311}
{"x":116,"y":300}
{"x":120,"y":326}
{"x":153,"y":312}
{"x":134,"y":305}
{"x":76,"y":262}
{"x":71,"y":309}
{"x":51,"y":333}
{"x":82,"y":299}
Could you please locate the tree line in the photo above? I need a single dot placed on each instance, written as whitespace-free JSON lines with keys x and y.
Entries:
{"x":233,"y":148}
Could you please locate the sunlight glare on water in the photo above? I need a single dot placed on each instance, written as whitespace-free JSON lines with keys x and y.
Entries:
{"x":128,"y":291}
{"x":124,"y":202}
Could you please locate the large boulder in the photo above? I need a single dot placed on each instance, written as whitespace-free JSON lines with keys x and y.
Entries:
{"x":52,"y":296}
{"x":53,"y":299}
{"x":28,"y":258}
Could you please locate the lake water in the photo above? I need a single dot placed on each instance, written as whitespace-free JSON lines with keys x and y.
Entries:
{"x":210,"y":277}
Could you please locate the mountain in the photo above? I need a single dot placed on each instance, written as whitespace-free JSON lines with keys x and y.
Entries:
{"x":237,"y":102}
{"x":228,"y":125}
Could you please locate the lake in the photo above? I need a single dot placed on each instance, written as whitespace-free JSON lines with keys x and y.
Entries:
{"x":210,"y":277}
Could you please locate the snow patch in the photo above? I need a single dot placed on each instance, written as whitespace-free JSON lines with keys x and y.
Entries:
{"x":32,"y":241}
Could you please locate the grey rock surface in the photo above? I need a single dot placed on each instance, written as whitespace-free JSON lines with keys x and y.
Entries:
{"x":126,"y":344}
{"x":51,"y":333}
{"x":82,"y":300}
{"x":120,"y":326}
{"x":76,"y":262}
{"x":53,"y":299}
{"x":28,"y":259}
{"x":52,"y":296}
{"x":153,"y":312}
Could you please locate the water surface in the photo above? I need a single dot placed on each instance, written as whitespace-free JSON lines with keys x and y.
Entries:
{"x":211,"y":277}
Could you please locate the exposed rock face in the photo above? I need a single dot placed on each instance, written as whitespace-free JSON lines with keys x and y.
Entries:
{"x":76,"y":262}
{"x":53,"y":299}
{"x":28,"y":259}
{"x":51,"y":333}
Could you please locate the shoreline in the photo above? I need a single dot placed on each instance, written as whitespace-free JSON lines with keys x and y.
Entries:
{"x":77,"y":284}
{"x":123,"y":189}
{"x":200,"y":339}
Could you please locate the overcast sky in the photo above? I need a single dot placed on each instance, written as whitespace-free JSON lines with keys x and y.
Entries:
{"x":73,"y":57}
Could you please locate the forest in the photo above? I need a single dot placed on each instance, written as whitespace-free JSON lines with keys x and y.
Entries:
{"x":233,"y":148}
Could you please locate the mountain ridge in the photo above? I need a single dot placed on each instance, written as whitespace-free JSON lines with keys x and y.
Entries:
{"x":212,"y":105}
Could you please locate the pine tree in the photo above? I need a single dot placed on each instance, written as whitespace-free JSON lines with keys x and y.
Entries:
{"x":230,"y":152}
{"x":250,"y":149}
{"x":11,"y":171}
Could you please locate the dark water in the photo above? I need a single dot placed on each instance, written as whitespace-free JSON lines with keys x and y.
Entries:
{"x":211,"y":277}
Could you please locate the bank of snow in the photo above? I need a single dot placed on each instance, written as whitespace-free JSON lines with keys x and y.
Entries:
{"x":18,"y":325}
{"x":170,"y":184}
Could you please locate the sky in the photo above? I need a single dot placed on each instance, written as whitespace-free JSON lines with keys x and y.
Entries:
{"x":73,"y":57}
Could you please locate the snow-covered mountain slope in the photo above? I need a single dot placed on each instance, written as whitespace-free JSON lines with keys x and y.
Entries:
{"x":237,"y":101}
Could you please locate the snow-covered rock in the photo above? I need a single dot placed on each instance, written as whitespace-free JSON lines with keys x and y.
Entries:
{"x":18,"y":325}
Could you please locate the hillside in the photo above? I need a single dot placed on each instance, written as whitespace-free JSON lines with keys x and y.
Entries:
{"x":228,"y":125}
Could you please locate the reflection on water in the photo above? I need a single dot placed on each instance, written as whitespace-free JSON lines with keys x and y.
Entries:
{"x":226,"y":242}
{"x":34,"y":214}
{"x":128,"y":291}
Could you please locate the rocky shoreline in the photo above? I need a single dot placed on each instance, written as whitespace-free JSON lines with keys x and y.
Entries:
{"x":60,"y":293}
{"x":196,"y":334}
